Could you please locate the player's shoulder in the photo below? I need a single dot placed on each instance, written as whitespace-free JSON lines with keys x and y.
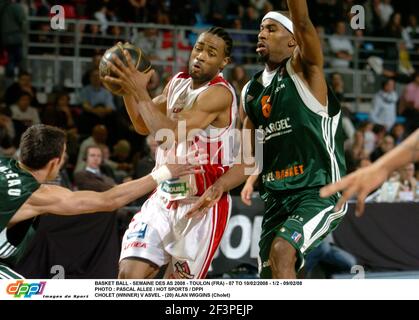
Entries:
{"x":181,"y":75}
{"x":219,"y":79}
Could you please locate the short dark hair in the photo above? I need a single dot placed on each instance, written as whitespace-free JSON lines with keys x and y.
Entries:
{"x":221,"y":33}
{"x":40,"y":144}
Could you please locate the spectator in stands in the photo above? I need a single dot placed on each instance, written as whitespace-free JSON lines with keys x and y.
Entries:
{"x":23,"y":84}
{"x":411,"y":33}
{"x":92,"y":173}
{"x":332,"y":258}
{"x":384,"y":108}
{"x":58,"y":114}
{"x":250,"y":20}
{"x":409,"y":104}
{"x":338,"y":86}
{"x":116,"y":32}
{"x":99,"y":136}
{"x":134,"y":11}
{"x":405,"y":64}
{"x":372,"y":17}
{"x":341,"y":48}
{"x":385,"y":146}
{"x":369,"y":137}
{"x":393,"y":29}
{"x":240,"y":40}
{"x":238,"y":79}
{"x":399,"y":133}
{"x":357,"y":151}
{"x":150,"y":41}
{"x":401,"y":188}
{"x":13,"y":24}
{"x":92,"y":37}
{"x":121,"y":159}
{"x":386,"y":10}
{"x":7,"y":134}
{"x":23,"y":114}
{"x":94,"y":65}
{"x":261,"y":6}
{"x":97,"y":103}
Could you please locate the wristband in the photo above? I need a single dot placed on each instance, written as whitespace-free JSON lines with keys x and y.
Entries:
{"x":161,"y":174}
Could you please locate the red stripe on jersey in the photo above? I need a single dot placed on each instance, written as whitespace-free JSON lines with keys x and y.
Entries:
{"x":218,"y":79}
{"x":183,"y":75}
{"x":220,"y":215}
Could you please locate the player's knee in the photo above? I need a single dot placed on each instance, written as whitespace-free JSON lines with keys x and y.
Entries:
{"x":282,"y":253}
{"x":127,"y":270}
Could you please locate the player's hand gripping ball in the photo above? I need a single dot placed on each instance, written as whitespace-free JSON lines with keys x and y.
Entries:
{"x":138,"y":58}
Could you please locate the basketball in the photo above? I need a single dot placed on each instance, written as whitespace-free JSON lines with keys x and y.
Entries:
{"x":138,"y":58}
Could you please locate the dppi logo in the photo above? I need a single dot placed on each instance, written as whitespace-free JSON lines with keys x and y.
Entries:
{"x":27,"y":290}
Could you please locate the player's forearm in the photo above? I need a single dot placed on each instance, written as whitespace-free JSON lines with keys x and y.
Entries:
{"x":153,"y":118}
{"x":299,"y":12}
{"x":134,"y":115}
{"x":407,"y":151}
{"x":234,"y":177}
{"x":251,"y":180}
{"x":127,"y":192}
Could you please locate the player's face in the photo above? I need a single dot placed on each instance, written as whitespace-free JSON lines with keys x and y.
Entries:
{"x":94,"y":158}
{"x":275,"y":43}
{"x":207,"y":58}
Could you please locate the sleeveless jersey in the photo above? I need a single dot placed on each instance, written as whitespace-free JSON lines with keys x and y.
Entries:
{"x":302,"y":140}
{"x":16,"y":186}
{"x":220,"y":143}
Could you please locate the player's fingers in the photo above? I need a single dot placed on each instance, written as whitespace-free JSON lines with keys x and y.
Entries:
{"x":246,"y":201}
{"x":331,"y":189}
{"x":360,"y":204}
{"x":112,"y":80}
{"x":116,"y":70}
{"x":128,"y":57}
{"x":121,"y":66}
{"x":345,"y":196}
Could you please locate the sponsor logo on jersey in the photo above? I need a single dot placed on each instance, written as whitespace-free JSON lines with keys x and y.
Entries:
{"x":174,"y":188}
{"x":277,"y":128}
{"x":283,"y":174}
{"x":21,"y":289}
{"x":135,"y":244}
{"x":140,"y":234}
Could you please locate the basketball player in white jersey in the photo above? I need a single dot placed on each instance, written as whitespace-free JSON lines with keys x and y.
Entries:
{"x":160,"y":234}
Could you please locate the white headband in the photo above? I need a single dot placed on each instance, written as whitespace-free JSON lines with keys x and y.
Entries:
{"x":279,"y":17}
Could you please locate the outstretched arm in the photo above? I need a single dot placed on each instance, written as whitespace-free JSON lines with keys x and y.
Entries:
{"x":305,"y":34}
{"x":57,"y":200}
{"x":365,"y":180}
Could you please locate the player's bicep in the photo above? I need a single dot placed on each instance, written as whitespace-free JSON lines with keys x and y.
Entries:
{"x":207,"y":107}
{"x":61,"y":201}
{"x":309,"y":44}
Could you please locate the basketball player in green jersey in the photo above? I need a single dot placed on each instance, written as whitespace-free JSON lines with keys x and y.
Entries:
{"x":302,"y":143}
{"x":23,"y":197}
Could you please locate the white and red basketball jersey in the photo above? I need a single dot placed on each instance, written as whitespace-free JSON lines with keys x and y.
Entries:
{"x":220,"y":143}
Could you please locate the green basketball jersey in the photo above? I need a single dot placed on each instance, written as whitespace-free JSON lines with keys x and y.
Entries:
{"x":16,"y":186}
{"x":302,"y":140}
